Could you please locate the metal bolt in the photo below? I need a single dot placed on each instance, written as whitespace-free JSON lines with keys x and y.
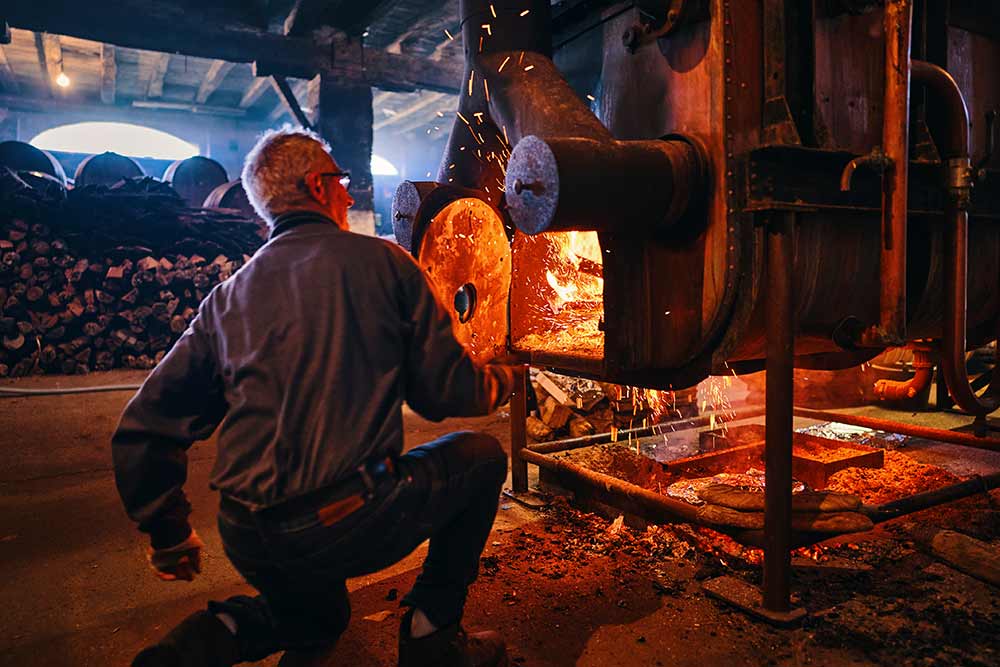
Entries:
{"x":534,"y":187}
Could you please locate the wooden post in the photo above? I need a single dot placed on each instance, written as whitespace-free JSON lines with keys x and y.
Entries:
{"x":344,"y":119}
{"x":518,"y":435}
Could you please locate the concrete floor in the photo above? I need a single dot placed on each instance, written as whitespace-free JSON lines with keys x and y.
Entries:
{"x":76,"y":589}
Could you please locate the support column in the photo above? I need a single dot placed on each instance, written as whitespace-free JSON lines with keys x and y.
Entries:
{"x":778,"y":432}
{"x":789,"y":62}
{"x":518,"y":434}
{"x":344,"y":119}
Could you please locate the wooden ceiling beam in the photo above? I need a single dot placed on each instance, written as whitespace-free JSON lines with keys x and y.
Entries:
{"x":138,"y":110}
{"x":8,"y":81}
{"x":447,"y":120}
{"x":217,"y":73}
{"x":260,"y":85}
{"x":161,"y":26}
{"x":109,"y":74}
{"x":426,"y":100}
{"x":169,"y":27}
{"x":157,"y":75}
{"x":348,"y":15}
{"x":49,"y":58}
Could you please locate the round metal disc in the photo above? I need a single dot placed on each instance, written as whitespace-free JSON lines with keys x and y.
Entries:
{"x":466,"y":253}
{"x":405,"y":203}
{"x":532,"y":185}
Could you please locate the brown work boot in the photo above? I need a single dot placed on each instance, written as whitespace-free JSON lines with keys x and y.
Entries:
{"x":201,"y":640}
{"x":450,"y":647}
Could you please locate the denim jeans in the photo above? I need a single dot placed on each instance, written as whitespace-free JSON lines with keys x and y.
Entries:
{"x":446,"y":490}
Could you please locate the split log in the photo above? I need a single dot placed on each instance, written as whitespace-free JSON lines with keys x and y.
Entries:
{"x":555,"y":414}
{"x":962,"y":552}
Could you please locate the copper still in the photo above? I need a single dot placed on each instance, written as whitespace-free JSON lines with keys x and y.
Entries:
{"x":653,"y":192}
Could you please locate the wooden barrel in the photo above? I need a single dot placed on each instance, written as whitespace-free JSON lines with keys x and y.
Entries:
{"x":21,"y":156}
{"x":106,"y":169}
{"x":45,"y":183}
{"x":195,"y":177}
{"x":230,"y":195}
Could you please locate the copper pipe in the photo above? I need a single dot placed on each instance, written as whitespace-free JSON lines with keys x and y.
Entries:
{"x":958,"y":185}
{"x":895,"y":137}
{"x":913,"y":430}
{"x":896,"y":390}
{"x":875,"y":160}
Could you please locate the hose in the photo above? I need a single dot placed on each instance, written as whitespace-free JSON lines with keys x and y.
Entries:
{"x":12,"y":392}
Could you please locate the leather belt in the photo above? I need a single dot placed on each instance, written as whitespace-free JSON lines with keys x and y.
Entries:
{"x":331,"y":503}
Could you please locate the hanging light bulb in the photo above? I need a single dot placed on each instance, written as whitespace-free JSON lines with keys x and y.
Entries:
{"x":62,"y":80}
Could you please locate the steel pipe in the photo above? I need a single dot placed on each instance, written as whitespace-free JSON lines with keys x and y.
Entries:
{"x":922,"y":501}
{"x":659,"y":506}
{"x":913,"y":430}
{"x":515,"y":96}
{"x":518,"y":432}
{"x":779,"y":401}
{"x":640,"y":188}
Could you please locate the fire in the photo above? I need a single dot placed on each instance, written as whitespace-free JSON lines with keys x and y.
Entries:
{"x":575,"y":269}
{"x":557,"y":301}
{"x":565,"y":293}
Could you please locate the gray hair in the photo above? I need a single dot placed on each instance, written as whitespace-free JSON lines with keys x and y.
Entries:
{"x":275,"y":168}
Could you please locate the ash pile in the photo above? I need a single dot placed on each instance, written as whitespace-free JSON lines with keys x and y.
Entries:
{"x":574,"y":407}
{"x":106,"y":277}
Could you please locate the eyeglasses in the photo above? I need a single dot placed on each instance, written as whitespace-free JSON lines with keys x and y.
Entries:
{"x":344,"y":177}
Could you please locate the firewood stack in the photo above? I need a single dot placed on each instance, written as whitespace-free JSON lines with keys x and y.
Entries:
{"x":102,"y":278}
{"x":575,"y":407}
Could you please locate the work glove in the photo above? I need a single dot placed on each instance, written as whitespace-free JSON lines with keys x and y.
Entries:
{"x":181,"y":561}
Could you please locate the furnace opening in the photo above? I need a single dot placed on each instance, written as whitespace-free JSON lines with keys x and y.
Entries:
{"x":557,"y":298}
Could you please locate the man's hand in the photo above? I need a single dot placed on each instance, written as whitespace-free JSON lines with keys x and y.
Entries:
{"x":181,"y":561}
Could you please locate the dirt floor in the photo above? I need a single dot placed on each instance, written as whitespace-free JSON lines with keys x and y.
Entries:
{"x":564,"y":587}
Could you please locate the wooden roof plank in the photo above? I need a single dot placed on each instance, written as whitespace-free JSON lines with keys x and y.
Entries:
{"x":109,"y":74}
{"x":7,"y":78}
{"x":426,"y":100}
{"x":260,"y":85}
{"x":157,"y":75}
{"x":146,"y":25}
{"x":49,"y":58}
{"x":217,"y":72}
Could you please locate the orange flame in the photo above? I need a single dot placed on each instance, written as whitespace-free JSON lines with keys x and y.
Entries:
{"x":565,"y":277}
